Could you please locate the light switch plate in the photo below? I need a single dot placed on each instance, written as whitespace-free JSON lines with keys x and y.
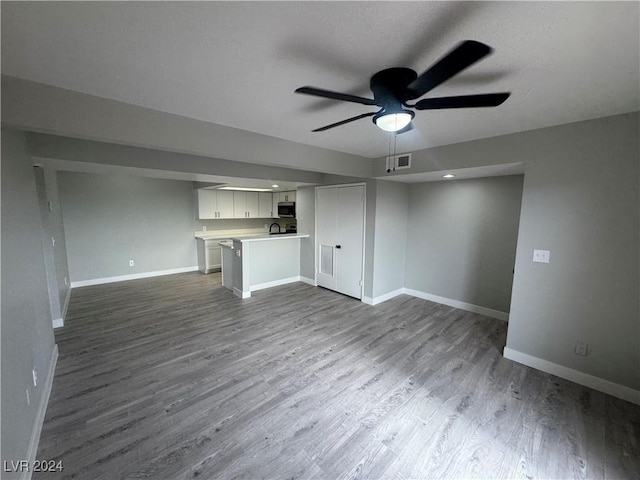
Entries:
{"x":541,"y":256}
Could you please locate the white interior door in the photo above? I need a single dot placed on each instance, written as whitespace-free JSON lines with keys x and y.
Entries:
{"x":326,"y":230}
{"x":340,"y":238}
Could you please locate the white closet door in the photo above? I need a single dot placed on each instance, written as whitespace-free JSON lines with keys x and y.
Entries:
{"x":326,"y":229}
{"x":349,"y":248}
{"x":340,"y":238}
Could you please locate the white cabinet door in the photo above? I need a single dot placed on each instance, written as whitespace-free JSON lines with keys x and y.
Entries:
{"x":214,"y":259}
{"x":206,"y":200}
{"x":225,"y":204}
{"x":340,"y":238}
{"x":240,"y":204}
{"x":288,"y":196}
{"x":265,"y":205}
{"x":276,"y":200}
{"x":252,"y":205}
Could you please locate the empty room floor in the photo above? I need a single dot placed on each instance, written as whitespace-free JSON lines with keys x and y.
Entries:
{"x":175,"y":377}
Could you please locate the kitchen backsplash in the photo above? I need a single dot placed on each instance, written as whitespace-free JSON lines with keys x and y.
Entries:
{"x":237,"y":226}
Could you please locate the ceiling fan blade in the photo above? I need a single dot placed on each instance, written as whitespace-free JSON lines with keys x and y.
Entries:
{"x":352,"y":119}
{"x":345,"y":97}
{"x":463,"y":101}
{"x":464,"y":55}
{"x":406,"y":129}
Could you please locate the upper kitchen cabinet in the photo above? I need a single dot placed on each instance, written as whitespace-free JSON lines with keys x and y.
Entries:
{"x":214,"y":204}
{"x":288,"y":196}
{"x":265,"y":205}
{"x":245,"y":204}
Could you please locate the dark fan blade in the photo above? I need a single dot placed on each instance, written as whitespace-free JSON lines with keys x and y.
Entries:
{"x":465,"y":54}
{"x":464,"y":101}
{"x":406,"y":129}
{"x":352,"y":119}
{"x":335,"y":95}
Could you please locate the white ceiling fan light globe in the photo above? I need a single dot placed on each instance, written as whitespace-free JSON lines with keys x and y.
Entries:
{"x":392,"y":122}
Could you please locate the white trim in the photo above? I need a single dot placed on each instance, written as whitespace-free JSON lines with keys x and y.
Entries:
{"x":58,"y":322}
{"x":65,"y":307}
{"x":134,"y":276}
{"x":240,"y":294}
{"x":309,"y":281}
{"x":383,"y":298}
{"x":600,"y":384}
{"x":275,"y":283}
{"x":489,"y":312}
{"x":42,"y":409}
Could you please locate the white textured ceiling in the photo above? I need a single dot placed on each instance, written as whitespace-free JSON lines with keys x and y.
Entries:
{"x":238,"y":63}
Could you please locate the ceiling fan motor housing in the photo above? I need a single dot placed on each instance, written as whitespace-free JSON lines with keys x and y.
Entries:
{"x":389,"y":87}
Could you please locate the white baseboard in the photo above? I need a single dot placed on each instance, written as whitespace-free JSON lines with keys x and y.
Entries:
{"x":58,"y":322}
{"x":275,"y":283}
{"x":489,"y":312}
{"x":308,"y":280}
{"x":240,"y":294}
{"x":134,"y":276}
{"x":42,"y":410}
{"x":581,"y":378}
{"x":383,"y":298}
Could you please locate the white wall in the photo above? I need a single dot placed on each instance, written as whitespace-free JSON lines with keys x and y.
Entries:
{"x":462,"y":239}
{"x":110,"y":219}
{"x":27,"y":334}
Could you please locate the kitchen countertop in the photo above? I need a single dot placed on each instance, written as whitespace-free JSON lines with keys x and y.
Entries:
{"x":266,"y":236}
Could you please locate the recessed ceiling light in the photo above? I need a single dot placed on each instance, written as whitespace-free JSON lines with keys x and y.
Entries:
{"x":448,"y":175}
{"x":275,"y":186}
{"x":246,"y":189}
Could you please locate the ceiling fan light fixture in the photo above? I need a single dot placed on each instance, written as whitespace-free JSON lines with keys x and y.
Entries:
{"x":394,"y":121}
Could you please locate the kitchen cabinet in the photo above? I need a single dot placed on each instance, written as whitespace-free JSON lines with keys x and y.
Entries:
{"x":213,"y":204}
{"x":289,"y":196}
{"x":245,"y":204}
{"x":209,"y":255}
{"x":265,"y":205}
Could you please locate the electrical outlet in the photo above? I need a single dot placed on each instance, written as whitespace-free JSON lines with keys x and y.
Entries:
{"x":53,"y":242}
{"x":131,"y":263}
{"x":541,"y":256}
{"x":35,"y":377}
{"x":204,"y":228}
{"x":581,"y":348}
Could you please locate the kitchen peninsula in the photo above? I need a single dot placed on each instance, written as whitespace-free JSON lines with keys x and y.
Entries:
{"x":258,"y":262}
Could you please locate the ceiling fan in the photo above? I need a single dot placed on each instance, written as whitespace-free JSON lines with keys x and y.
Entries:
{"x":394,"y":87}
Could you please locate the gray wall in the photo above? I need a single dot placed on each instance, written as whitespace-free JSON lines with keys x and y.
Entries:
{"x":27,"y":336}
{"x":55,"y":254}
{"x":390,"y":239}
{"x":56,"y":229}
{"x":110,"y":219}
{"x":305,"y":211}
{"x":43,"y":108}
{"x":581,"y":202}
{"x":462,"y":239}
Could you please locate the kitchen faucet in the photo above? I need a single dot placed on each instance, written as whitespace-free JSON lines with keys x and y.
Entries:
{"x":277,"y":224}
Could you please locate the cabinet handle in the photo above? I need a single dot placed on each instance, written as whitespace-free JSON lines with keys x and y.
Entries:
{"x":338,"y":246}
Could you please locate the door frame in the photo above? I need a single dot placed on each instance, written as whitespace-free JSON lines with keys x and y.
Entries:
{"x":364,"y":230}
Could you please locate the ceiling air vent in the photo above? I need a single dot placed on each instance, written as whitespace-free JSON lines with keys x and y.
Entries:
{"x":398,"y":162}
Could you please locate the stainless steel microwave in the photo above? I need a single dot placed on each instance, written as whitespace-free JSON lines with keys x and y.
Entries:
{"x":287,"y":209}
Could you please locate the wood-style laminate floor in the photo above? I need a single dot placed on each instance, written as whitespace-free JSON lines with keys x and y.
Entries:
{"x":174,"y":377}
